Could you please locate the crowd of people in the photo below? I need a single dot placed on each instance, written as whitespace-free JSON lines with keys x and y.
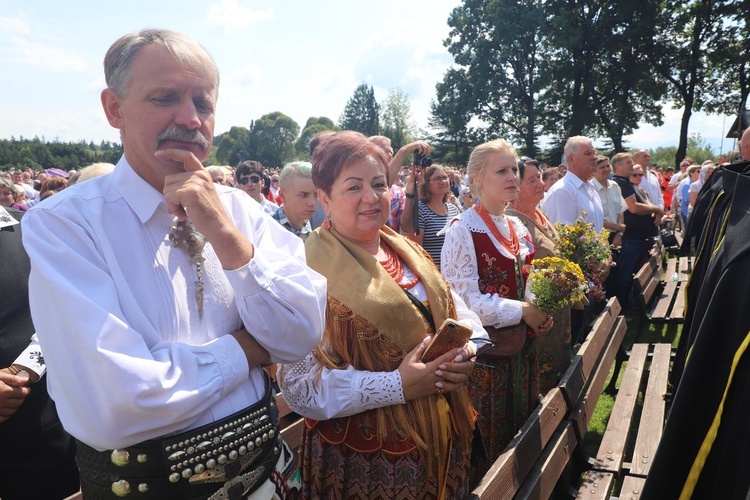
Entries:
{"x":162,"y":293}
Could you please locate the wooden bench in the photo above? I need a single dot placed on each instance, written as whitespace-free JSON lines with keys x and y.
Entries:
{"x":660,"y":298}
{"x":534,"y":460}
{"x":290,"y":423}
{"x":609,"y":465}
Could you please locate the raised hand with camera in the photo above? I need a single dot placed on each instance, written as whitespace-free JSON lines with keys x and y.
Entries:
{"x":412,"y":187}
{"x":394,"y":166}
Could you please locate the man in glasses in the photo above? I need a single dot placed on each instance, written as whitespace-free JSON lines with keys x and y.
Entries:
{"x":249,"y":176}
{"x":650,"y":180}
{"x":641,"y":226}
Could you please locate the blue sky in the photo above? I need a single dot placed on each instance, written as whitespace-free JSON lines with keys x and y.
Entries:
{"x":300,"y":57}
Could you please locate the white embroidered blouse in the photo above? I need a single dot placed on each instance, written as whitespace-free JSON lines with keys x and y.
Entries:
{"x":460,"y":266}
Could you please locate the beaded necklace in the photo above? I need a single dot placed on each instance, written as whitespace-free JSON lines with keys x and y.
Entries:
{"x":512,"y":244}
{"x":536,"y":217}
{"x":392,"y":264}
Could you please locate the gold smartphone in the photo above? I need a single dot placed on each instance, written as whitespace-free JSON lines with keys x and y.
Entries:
{"x":450,"y":335}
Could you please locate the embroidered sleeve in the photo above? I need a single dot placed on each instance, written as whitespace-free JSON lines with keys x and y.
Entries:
{"x":32,"y":357}
{"x":322,"y":393}
{"x":459,"y":266}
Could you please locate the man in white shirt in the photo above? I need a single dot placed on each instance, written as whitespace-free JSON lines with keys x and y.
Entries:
{"x":573,"y":197}
{"x":155,"y":343}
{"x":650,"y":182}
{"x":612,"y":202}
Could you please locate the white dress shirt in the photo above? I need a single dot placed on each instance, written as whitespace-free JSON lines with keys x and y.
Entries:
{"x":652,"y":188}
{"x":268,"y":206}
{"x":113,"y":304}
{"x":610,"y":195}
{"x":569,"y":198}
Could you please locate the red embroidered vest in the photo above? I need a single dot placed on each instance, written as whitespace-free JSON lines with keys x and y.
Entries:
{"x":497,"y":273}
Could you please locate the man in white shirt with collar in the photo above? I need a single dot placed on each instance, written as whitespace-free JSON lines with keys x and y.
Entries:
{"x":573,"y":197}
{"x":611,"y":196}
{"x":651,"y":182}
{"x":158,"y":295}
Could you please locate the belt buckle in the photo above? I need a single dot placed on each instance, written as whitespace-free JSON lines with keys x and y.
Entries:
{"x":239,"y":486}
{"x":207,"y":455}
{"x":218,"y":473}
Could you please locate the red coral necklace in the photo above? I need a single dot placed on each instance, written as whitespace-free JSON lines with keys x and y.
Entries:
{"x":392,"y":264}
{"x":536,"y":217}
{"x":512,"y":244}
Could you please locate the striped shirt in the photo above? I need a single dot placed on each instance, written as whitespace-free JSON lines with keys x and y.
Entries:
{"x":430,"y":223}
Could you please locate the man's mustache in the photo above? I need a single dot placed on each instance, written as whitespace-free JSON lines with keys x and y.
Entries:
{"x":182,"y":135}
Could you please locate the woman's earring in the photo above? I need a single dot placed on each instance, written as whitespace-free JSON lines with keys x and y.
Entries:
{"x":328,"y":223}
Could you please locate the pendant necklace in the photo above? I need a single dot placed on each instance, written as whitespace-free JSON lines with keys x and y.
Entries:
{"x":184,"y":236}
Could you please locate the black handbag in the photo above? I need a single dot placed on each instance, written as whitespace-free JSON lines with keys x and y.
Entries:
{"x":668,"y":238}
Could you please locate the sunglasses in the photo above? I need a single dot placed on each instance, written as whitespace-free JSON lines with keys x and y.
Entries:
{"x":636,"y":175}
{"x":482,"y":346}
{"x":253,"y":178}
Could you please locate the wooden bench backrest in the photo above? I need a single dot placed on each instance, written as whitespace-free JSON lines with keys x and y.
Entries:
{"x":535,"y":459}
{"x":290,"y":423}
{"x":647,"y":279}
{"x":580,"y":369}
{"x":583,"y":383}
{"x":511,"y":468}
{"x":584,"y":409}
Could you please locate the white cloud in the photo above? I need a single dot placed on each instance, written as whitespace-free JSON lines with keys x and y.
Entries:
{"x":18,"y":49}
{"x":14,"y":26}
{"x":240,"y":86}
{"x":97,"y":84}
{"x":231,"y":16}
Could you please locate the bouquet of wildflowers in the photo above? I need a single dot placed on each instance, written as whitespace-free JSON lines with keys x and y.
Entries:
{"x":555,"y":283}
{"x":579,"y":243}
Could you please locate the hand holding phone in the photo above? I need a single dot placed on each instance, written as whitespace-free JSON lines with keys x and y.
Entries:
{"x":450,"y":335}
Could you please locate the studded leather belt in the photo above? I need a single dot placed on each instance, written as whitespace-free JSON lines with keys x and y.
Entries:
{"x":222,"y":460}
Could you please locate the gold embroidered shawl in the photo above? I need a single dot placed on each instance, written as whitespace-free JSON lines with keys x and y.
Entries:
{"x":371,"y":325}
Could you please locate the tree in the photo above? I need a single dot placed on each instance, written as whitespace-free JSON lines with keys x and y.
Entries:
{"x":555,"y":67}
{"x":38,"y":153}
{"x":233,"y":146}
{"x":361,"y":112}
{"x":274,"y":134}
{"x":496,"y":44}
{"x":690,"y":26}
{"x":396,"y":119}
{"x":603,"y":57}
{"x":450,"y":115}
{"x":628,"y":89}
{"x":312,"y":126}
{"x":728,"y":53}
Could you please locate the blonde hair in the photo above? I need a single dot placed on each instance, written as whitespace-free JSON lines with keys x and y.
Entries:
{"x":481,"y":157}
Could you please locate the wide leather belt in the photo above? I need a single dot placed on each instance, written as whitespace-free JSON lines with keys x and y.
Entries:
{"x":222,"y":460}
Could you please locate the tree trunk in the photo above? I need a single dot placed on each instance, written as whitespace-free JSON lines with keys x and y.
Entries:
{"x":684,"y":122}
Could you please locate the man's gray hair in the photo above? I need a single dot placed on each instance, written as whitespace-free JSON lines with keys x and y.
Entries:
{"x":118,"y":63}
{"x":573,"y":146}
